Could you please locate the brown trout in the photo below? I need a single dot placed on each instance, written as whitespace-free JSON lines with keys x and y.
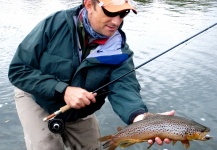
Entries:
{"x":153,"y":125}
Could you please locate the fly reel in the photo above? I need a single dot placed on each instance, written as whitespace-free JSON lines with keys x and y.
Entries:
{"x":56,"y":126}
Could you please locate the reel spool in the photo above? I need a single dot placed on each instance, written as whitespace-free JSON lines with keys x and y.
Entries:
{"x":56,"y":126}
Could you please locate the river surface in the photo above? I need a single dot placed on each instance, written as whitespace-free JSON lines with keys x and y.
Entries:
{"x":184,"y":79}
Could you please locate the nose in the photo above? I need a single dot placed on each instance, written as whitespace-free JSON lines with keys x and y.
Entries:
{"x":117,"y":20}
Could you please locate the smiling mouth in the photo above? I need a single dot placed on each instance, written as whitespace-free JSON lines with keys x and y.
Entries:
{"x":112,"y":28}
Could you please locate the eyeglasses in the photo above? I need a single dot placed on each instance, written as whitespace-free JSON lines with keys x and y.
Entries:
{"x":122,"y":14}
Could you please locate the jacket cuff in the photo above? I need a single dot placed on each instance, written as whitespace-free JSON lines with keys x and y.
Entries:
{"x":136,"y":113}
{"x":60,"y":87}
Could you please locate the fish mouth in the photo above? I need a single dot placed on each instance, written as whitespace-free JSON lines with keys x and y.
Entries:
{"x":206,"y":137}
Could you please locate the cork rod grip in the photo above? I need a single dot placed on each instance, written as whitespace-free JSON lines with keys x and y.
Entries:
{"x":61,"y":110}
{"x":65,"y":108}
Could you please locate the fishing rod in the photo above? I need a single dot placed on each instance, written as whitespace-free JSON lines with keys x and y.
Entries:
{"x":67,"y":107}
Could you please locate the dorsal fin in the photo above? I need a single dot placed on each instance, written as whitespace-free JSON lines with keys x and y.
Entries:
{"x":105,"y":138}
{"x":119,"y":128}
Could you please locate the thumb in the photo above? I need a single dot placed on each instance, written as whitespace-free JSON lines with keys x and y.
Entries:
{"x":170,"y":113}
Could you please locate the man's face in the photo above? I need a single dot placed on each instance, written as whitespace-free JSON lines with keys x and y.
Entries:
{"x":100,"y":22}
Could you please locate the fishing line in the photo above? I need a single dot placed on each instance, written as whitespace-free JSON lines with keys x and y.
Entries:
{"x":165,"y":62}
{"x":67,"y":107}
{"x":176,"y":52}
{"x":154,"y":58}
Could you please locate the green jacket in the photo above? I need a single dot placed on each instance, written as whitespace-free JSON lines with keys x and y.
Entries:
{"x":47,"y":61}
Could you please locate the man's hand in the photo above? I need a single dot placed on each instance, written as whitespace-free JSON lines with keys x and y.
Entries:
{"x":78,"y":98}
{"x":157,"y":139}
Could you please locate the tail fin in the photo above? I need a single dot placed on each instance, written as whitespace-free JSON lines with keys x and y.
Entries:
{"x":109,"y":143}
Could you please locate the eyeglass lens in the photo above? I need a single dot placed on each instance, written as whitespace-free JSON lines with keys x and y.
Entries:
{"x":122,"y":14}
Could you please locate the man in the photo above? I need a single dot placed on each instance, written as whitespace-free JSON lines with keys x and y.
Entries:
{"x":65,"y":57}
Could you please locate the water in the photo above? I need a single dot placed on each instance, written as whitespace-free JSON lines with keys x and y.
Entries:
{"x":184,"y":79}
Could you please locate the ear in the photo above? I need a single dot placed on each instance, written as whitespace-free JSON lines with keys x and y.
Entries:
{"x":88,"y":4}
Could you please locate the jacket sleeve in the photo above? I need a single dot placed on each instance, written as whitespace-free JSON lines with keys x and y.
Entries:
{"x":24,"y":71}
{"x":124,"y":94}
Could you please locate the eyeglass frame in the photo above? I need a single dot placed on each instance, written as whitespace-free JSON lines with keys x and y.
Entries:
{"x":122,"y":13}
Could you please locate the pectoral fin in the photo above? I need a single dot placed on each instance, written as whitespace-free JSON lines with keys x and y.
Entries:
{"x":109,"y":143}
{"x":126,"y":144}
{"x":186,"y":144}
{"x":130,"y":142}
{"x":174,"y":142}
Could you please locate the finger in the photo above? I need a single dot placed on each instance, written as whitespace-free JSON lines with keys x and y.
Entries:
{"x":91,"y":97}
{"x":150,"y":142}
{"x":158,"y":141}
{"x":166,"y":140}
{"x":86,"y":101}
{"x":83,"y":102}
{"x":170,"y":113}
{"x":76,"y":102}
{"x":94,"y":94}
{"x":74,"y":105}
